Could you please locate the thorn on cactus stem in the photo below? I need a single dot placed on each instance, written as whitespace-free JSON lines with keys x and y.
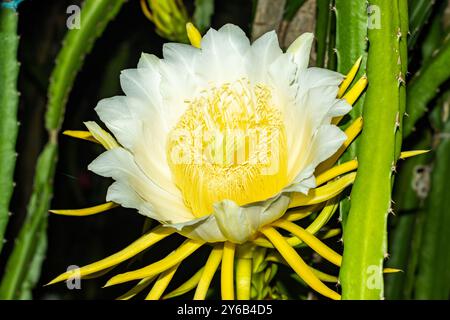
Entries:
{"x":394,"y":168}
{"x":387,"y":255}
{"x":401,"y":79}
{"x":391,"y":211}
{"x":399,"y":34}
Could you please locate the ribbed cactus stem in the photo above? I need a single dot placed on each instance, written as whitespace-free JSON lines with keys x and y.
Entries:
{"x":29,"y":249}
{"x":351,"y":44}
{"x":9,"y":100}
{"x":365,"y":236}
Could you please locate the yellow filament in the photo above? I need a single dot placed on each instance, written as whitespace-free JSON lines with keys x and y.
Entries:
{"x":322,"y":276}
{"x":144,"y":283}
{"x":353,"y":165}
{"x":162,"y":283}
{"x":324,"y":216}
{"x":356,"y":90}
{"x":413,"y":153}
{"x":184,"y":251}
{"x":297,"y":264}
{"x":186,"y":286}
{"x":353,"y":95}
{"x":349,"y":78}
{"x":144,"y":242}
{"x":146,"y":11}
{"x":336,"y":172}
{"x":194,"y":35}
{"x":324,"y":193}
{"x":331,"y":233}
{"x":99,"y":273}
{"x":95,"y":134}
{"x":227,"y":274}
{"x":100,"y":135}
{"x":277,"y":258}
{"x":300,"y":213}
{"x":84,"y":135}
{"x":310,"y":240}
{"x":351,"y":132}
{"x":86,"y":211}
{"x":211,"y":266}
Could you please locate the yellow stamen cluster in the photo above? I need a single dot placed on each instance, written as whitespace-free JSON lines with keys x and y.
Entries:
{"x":229,"y":144}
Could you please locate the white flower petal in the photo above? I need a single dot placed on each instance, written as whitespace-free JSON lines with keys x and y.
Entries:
{"x":300,"y":50}
{"x":327,"y":140}
{"x":339,"y":108}
{"x":149,"y":61}
{"x":139,"y":131}
{"x":237,"y":223}
{"x":223,"y":55}
{"x":179,"y":79}
{"x":315,"y":105}
{"x":119,"y":164}
{"x":264,"y":52}
{"x":304,"y":181}
{"x":158,"y":93}
{"x":123,"y":194}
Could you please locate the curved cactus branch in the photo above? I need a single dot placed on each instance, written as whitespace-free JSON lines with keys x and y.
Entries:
{"x":419,"y":13}
{"x":30,"y":244}
{"x":424,"y":86}
{"x":351,"y":44}
{"x":9,"y":100}
{"x":433,"y":278}
{"x":95,"y":16}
